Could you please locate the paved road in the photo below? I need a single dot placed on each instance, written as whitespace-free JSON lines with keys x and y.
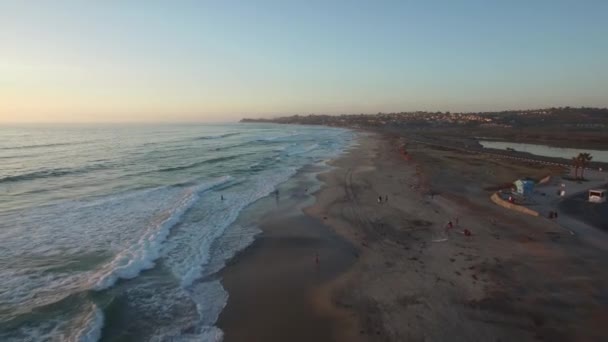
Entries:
{"x":594,"y":214}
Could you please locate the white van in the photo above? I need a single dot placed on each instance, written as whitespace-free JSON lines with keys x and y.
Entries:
{"x":597,"y":196}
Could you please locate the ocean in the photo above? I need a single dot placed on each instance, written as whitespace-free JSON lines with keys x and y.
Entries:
{"x":115,"y":232}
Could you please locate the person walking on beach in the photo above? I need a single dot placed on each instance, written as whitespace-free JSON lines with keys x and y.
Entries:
{"x":222,"y":197}
{"x":449,"y":226}
{"x":276,"y":197}
{"x":380,"y":199}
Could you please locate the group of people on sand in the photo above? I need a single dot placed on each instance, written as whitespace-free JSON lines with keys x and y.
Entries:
{"x":381,"y":200}
{"x":450,"y":225}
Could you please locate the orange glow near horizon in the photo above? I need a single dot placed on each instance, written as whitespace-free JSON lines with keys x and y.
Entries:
{"x":114,"y":61}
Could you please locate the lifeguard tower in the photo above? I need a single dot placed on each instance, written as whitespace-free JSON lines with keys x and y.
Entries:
{"x":524,"y":187}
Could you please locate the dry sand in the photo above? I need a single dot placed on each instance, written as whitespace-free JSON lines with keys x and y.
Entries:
{"x":515,"y":278}
{"x":408,"y":278}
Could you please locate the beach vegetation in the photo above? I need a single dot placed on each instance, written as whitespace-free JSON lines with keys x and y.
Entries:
{"x":580,"y":162}
{"x":584,"y":161}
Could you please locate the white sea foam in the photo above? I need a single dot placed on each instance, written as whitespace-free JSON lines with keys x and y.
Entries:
{"x":42,"y":243}
{"x":141,"y":256}
{"x":126,"y":264}
{"x":188,"y":252}
{"x":200,"y":249}
{"x":82,"y":243}
{"x":90,"y":331}
{"x":206,"y":334}
{"x":210,"y":298}
{"x":129,"y":262}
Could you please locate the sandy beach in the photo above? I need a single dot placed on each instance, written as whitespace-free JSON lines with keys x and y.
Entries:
{"x":393,"y":271}
{"x":294,"y":171}
{"x":273,"y":284}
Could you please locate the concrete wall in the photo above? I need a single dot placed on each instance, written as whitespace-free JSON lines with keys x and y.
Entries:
{"x":506,"y":204}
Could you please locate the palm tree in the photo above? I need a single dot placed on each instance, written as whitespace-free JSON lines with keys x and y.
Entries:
{"x":584,"y":160}
{"x":576,"y":164}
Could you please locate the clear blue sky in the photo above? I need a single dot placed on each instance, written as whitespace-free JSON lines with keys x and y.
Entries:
{"x":220,"y":60}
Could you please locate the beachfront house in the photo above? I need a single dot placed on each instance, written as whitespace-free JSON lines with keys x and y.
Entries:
{"x":524,"y":187}
{"x":597,"y":196}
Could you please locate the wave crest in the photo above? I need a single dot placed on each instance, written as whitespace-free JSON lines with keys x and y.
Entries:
{"x":130,"y":262}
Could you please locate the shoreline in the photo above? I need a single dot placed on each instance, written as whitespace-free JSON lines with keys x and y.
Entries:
{"x":274,"y":284}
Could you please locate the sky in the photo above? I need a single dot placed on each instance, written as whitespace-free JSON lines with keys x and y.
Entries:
{"x":182,"y":61}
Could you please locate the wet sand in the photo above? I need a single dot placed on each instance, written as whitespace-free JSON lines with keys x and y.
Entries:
{"x":272,"y":283}
{"x":403,"y":276}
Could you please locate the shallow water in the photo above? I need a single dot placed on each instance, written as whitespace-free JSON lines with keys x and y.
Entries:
{"x":104,"y":225}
